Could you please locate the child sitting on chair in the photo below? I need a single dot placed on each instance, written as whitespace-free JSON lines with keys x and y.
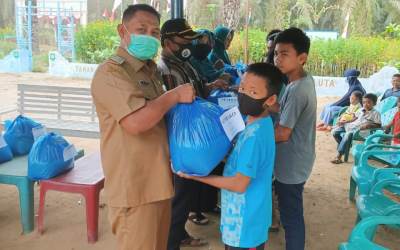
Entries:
{"x":395,"y":124}
{"x":366,"y":118}
{"x":350,"y":114}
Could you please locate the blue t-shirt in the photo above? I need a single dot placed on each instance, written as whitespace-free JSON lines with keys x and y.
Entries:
{"x":245,"y":218}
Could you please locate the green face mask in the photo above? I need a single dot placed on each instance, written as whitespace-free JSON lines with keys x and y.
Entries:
{"x":143,"y":47}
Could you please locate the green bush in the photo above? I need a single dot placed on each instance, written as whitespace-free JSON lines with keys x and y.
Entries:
{"x":7,"y":32}
{"x":6,"y":47}
{"x":392,"y":30}
{"x":329,"y":57}
{"x":96,"y":42}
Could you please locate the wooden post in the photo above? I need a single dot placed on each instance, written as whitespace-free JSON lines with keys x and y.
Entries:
{"x":246,"y":41}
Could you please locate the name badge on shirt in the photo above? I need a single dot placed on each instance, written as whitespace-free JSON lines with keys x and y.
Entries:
{"x":232,"y":122}
{"x":143,"y":83}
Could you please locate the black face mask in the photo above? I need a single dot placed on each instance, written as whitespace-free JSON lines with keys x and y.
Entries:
{"x":184,"y":52}
{"x":201,"y":51}
{"x":250,"y":106}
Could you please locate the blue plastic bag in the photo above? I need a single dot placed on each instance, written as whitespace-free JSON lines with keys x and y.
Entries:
{"x":19,"y":135}
{"x":197,"y":140}
{"x":5,"y":151}
{"x":224,"y":99}
{"x":236,"y":71}
{"x":50,"y":156}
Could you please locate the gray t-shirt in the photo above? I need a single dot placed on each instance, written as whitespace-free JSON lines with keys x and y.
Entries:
{"x":295,"y":158}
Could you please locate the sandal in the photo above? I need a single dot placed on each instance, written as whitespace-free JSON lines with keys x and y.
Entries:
{"x":193,"y":242}
{"x":200,"y":220}
{"x":336,"y":161}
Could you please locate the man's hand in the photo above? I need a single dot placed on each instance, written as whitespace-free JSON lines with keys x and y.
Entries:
{"x":225,"y":76}
{"x":219,"y":84}
{"x":185,"y":93}
{"x":219,"y":64}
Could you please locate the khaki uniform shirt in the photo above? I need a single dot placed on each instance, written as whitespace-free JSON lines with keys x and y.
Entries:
{"x":136,"y":167}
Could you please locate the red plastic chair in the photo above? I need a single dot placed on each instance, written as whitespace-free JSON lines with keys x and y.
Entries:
{"x":85,"y":178}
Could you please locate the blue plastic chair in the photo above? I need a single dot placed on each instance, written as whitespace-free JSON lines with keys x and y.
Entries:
{"x":392,"y":160}
{"x":387,"y":116}
{"x":386,"y":104}
{"x":376,"y":203}
{"x":364,"y":175}
{"x":360,"y":236}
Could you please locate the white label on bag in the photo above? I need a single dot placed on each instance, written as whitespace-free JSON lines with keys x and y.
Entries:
{"x":69,"y":152}
{"x":232,"y":122}
{"x":38,"y":132}
{"x":228,"y":102}
{"x":3,"y":142}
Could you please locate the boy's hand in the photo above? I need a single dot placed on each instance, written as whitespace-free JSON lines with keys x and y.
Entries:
{"x":219,"y":84}
{"x":186,"y":176}
{"x":219,"y":64}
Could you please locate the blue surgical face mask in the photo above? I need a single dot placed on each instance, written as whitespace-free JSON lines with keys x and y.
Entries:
{"x":142,"y":47}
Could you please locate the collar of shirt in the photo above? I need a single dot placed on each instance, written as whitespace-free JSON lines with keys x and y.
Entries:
{"x":393,"y":90}
{"x":170,"y":56}
{"x":135,"y":63}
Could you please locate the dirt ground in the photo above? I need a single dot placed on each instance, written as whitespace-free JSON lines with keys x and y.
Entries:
{"x":329,"y":215}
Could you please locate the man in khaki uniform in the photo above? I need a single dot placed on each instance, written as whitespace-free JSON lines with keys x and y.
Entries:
{"x":131,"y":104}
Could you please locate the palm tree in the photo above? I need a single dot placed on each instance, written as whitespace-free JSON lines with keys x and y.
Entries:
{"x":231,"y":16}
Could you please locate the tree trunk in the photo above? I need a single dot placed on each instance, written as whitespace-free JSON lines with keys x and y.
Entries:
{"x":346,"y":24}
{"x":231,"y":16}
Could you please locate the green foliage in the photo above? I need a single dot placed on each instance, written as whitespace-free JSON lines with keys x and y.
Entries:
{"x":330,"y":57}
{"x":96,"y":42}
{"x":7,"y":32}
{"x":6,"y":47}
{"x":256,"y":45}
{"x":392,"y":30}
{"x":40,"y":63}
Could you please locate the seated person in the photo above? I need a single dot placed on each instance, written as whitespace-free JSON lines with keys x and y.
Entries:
{"x":366,"y":118}
{"x":395,"y":90}
{"x":331,"y":110}
{"x":223,"y":39}
{"x":395,"y":124}
{"x":350,"y":114}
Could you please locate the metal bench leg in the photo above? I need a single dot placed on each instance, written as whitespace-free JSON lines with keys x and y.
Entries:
{"x":25,"y":188}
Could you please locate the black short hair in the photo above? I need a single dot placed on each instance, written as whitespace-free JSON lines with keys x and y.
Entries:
{"x":371,"y":97}
{"x":296,"y":37}
{"x":272,"y":35}
{"x":358,"y":94}
{"x":131,"y":10}
{"x":272,"y":75}
{"x":396,"y":75}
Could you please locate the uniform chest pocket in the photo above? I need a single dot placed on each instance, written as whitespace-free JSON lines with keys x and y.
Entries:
{"x":148,"y":88}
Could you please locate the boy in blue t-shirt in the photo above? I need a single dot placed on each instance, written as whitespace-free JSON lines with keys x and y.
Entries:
{"x":246,"y":198}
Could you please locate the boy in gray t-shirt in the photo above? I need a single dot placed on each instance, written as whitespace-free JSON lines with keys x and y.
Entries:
{"x":294,"y":134}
